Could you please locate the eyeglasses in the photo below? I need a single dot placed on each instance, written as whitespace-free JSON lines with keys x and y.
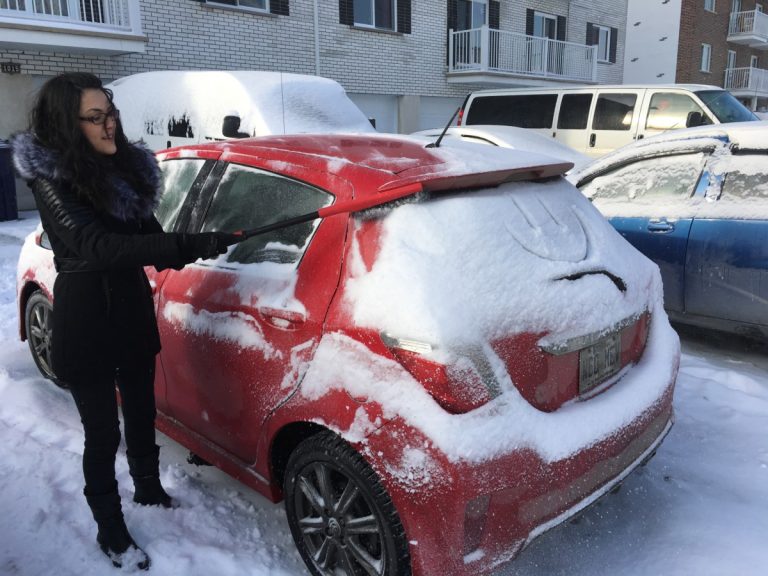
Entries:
{"x":101,"y":117}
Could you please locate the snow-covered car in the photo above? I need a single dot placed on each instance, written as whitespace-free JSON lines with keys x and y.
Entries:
{"x":696,"y":203}
{"x":509,"y":137}
{"x":428,"y":384}
{"x":179,"y":107}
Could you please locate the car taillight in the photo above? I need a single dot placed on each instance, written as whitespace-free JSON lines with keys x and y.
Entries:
{"x":461,"y":116}
{"x":457,"y":384}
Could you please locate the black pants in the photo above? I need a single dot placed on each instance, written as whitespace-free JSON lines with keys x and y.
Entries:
{"x":94,"y":394}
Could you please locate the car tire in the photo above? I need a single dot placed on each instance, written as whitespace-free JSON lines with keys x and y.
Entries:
{"x":38,"y":317}
{"x":360,"y":533}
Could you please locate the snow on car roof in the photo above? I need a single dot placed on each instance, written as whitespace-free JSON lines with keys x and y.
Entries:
{"x":267,"y":102}
{"x":742,"y":135}
{"x":397,"y":158}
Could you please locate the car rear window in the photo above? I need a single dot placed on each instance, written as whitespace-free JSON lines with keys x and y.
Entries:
{"x":524,"y":110}
{"x":747,"y":179}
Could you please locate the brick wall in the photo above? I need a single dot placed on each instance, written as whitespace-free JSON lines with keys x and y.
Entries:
{"x":699,"y":26}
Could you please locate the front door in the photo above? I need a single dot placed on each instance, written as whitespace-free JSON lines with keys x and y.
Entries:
{"x":727,"y":266}
{"x":237,"y":330}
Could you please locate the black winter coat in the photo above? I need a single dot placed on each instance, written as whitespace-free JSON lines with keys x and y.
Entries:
{"x":103,"y":308}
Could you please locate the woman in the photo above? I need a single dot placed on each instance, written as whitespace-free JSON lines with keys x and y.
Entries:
{"x":96,"y":193}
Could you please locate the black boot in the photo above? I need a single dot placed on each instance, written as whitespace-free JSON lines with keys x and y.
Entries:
{"x":113,"y":537}
{"x":145,"y":472}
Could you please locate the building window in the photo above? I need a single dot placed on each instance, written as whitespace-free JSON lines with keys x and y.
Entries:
{"x":260,"y":5}
{"x":375,"y":13}
{"x":471,"y":14}
{"x":605,"y":39}
{"x":709,"y":5}
{"x":735,"y":5}
{"x":603,"y":44}
{"x":731,"y":63}
{"x":706,"y":57}
{"x":544,"y":26}
{"x":753,"y":61}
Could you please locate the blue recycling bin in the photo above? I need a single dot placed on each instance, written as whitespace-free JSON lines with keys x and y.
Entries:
{"x":8,"y":207}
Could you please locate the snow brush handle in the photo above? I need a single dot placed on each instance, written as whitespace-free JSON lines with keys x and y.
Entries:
{"x":338,"y":208}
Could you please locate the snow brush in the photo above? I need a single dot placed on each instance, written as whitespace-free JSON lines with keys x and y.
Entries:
{"x":348,"y":206}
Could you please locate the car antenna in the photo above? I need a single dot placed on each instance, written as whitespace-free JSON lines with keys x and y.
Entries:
{"x":436,"y":143}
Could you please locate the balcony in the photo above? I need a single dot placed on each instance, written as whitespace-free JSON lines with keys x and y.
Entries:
{"x":488,"y":56}
{"x":749,"y":28}
{"x":747,"y":82}
{"x":104,"y":27}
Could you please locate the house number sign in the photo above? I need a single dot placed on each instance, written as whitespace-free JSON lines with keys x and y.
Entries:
{"x":10,"y":67}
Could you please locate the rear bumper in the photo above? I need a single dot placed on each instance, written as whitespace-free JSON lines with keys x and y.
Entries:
{"x":469,"y":518}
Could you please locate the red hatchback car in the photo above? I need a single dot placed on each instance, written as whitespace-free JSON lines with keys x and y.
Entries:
{"x":428,"y":384}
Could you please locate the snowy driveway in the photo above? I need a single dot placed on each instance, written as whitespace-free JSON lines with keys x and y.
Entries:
{"x":699,"y":507}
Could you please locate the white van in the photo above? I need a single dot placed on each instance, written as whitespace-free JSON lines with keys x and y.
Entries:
{"x":597,"y":119}
{"x":177,"y":107}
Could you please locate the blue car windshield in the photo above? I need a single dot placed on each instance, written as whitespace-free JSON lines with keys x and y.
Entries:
{"x":725,"y":107}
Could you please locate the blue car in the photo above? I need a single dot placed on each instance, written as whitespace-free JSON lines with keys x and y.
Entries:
{"x":695,"y":202}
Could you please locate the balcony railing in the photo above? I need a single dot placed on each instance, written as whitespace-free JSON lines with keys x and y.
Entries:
{"x":749,"y":28}
{"x":752,"y":80}
{"x":489,"y":50}
{"x":98,"y":14}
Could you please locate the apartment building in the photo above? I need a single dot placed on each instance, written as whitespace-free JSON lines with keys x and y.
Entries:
{"x":407,"y":63}
{"x":717,"y":42}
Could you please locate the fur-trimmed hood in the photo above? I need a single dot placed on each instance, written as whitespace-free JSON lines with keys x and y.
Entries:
{"x":33,"y":160}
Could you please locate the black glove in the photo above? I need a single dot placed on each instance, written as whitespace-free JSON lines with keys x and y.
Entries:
{"x":206,"y":244}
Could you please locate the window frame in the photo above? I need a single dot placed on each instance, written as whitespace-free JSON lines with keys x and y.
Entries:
{"x":706,"y":57}
{"x":544,"y":16}
{"x":754,"y":61}
{"x":600,"y":30}
{"x":730,"y":61}
{"x":238,"y":6}
{"x":373,"y":26}
{"x":710,"y":5}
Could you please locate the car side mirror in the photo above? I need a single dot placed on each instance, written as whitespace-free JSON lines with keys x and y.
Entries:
{"x":694,"y":119}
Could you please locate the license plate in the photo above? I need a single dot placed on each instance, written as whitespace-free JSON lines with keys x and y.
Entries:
{"x":599,"y":361}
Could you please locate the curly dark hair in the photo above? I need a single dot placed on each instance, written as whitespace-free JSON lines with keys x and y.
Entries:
{"x":55,"y":122}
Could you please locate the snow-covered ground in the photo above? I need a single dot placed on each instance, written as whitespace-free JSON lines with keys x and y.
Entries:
{"x":699,"y":507}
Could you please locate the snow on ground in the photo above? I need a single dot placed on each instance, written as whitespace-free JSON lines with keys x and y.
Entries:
{"x":699,"y":507}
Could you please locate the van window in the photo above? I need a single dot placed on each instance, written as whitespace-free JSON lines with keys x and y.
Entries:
{"x":725,"y":107}
{"x":525,"y":110}
{"x":614,"y":111}
{"x":574,"y":111}
{"x":669,"y":111}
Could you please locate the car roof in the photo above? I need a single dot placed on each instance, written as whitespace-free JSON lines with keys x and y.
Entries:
{"x":513,"y":137}
{"x":381,"y":161}
{"x":265,"y":102}
{"x":739,"y":135}
{"x":692,"y":87}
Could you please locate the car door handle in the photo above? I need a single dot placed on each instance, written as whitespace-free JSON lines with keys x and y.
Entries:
{"x":281,"y":318}
{"x":592,"y":140}
{"x":660,"y":226}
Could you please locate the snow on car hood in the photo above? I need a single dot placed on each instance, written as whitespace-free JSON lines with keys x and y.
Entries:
{"x":473,"y":267}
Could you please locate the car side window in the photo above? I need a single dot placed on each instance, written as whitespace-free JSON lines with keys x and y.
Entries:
{"x":249,"y":198}
{"x":746,"y":180}
{"x":178,"y":176}
{"x":669,"y":110}
{"x":614,"y":111}
{"x":648,"y":185}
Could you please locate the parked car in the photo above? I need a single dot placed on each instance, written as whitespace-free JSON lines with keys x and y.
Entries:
{"x":508,"y":137}
{"x":428,"y":385}
{"x":177,"y":107}
{"x":598,"y":119}
{"x":696,"y":203}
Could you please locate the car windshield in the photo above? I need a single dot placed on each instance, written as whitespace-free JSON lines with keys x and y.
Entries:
{"x":725,"y":107}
